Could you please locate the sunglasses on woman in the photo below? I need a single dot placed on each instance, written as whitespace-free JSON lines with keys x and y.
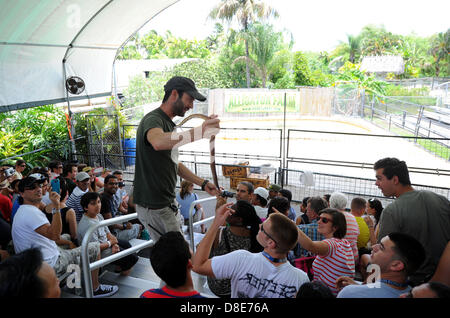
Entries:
{"x":325,"y":220}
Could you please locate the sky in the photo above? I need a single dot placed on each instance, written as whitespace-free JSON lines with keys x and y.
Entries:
{"x":316,"y":25}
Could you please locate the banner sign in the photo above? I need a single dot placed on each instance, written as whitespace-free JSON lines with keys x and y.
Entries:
{"x":261,"y":102}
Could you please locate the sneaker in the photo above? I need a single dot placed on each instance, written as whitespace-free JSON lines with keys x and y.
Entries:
{"x":105,"y":290}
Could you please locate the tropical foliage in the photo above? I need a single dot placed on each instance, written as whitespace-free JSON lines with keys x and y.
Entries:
{"x":31,"y":129}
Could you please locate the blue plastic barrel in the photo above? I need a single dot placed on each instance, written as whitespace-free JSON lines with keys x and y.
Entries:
{"x":129,"y":150}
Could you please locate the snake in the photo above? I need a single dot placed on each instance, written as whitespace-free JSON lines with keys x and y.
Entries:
{"x":212,"y":150}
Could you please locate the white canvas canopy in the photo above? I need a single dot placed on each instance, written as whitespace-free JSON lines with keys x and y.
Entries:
{"x":43,"y":42}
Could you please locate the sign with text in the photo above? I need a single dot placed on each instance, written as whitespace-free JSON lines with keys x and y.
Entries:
{"x":261,"y":102}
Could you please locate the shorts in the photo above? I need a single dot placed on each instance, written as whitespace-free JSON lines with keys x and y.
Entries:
{"x":159,"y":221}
{"x":130,"y":234}
{"x":73,"y":256}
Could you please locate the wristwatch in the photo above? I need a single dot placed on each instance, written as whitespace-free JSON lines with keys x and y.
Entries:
{"x":204,"y":184}
{"x":54,"y":210}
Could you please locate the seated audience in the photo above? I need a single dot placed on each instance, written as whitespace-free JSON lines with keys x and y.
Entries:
{"x":267,"y":274}
{"x":109,"y":244}
{"x":303,"y":218}
{"x":429,"y":290}
{"x":273,"y":190}
{"x":374,"y":208}
{"x":184,"y":198}
{"x":15,"y":187}
{"x":315,"y":289}
{"x":288,"y":195}
{"x":313,"y":208}
{"x":19,"y":168}
{"x":6,"y":177}
{"x":45,"y":194}
{"x":171,"y":261}
{"x":326,"y":197}
{"x":32,"y":229}
{"x":278,"y":204}
{"x":420,"y":213}
{"x":70,"y":171}
{"x":239,"y":234}
{"x":442,"y":273}
{"x":397,"y":256}
{"x":358,"y":207}
{"x":68,"y":217}
{"x":109,"y":209}
{"x":82,"y":180}
{"x":94,"y":184}
{"x":26,"y":275}
{"x":81,"y":166}
{"x":5,"y":207}
{"x":259,"y":201}
{"x":5,"y":235}
{"x":339,"y":201}
{"x":105,"y":172}
{"x":244,"y":191}
{"x":334,"y":256}
{"x":55,"y":169}
{"x":121,"y":193}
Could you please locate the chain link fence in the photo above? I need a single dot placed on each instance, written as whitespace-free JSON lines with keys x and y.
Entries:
{"x":308,"y":162}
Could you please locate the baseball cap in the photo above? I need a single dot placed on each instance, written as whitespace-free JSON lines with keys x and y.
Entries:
{"x":87,"y":169}
{"x":184,"y":84}
{"x":82,"y":176}
{"x":274,"y":187}
{"x":31,"y":180}
{"x":263,"y":193}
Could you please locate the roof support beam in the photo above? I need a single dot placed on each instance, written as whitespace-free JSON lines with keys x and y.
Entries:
{"x":61,"y":45}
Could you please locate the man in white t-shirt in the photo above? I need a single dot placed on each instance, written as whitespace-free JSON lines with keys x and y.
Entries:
{"x":259,"y":201}
{"x":396,"y":257}
{"x":254,"y":275}
{"x":32,"y":229}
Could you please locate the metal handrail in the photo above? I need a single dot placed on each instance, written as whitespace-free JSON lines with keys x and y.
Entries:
{"x":191,"y":224}
{"x":87,"y":267}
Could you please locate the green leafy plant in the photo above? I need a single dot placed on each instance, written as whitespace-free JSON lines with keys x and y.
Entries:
{"x":355,"y":77}
{"x":45,"y":128}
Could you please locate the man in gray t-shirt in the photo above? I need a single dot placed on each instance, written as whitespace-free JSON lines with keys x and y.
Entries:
{"x":423,"y":214}
{"x":157,"y":163}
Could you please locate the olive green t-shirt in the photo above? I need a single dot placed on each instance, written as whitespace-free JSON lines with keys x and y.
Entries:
{"x":424,"y":215}
{"x":155,"y":171}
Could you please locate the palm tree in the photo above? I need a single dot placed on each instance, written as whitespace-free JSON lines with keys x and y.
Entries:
{"x":245,"y":12}
{"x":354,"y":43}
{"x":440,"y":49}
{"x":264,"y":42}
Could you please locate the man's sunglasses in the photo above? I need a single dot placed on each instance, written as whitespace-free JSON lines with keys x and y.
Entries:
{"x":268,"y":235}
{"x":34,"y":186}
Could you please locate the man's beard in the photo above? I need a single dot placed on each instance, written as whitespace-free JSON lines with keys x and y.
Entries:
{"x":178,"y":108}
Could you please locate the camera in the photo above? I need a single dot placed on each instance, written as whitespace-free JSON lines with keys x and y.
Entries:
{"x":9,"y":172}
{"x":121,"y":184}
{"x":227,"y":194}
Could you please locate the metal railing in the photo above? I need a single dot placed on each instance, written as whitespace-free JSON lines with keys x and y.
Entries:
{"x":191,"y":224}
{"x":88,"y":267}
